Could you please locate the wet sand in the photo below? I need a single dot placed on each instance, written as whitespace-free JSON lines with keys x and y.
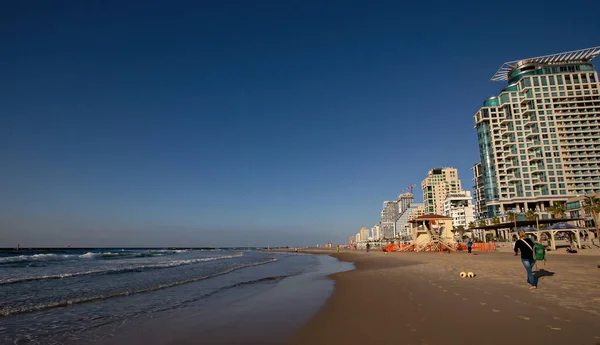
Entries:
{"x":263,"y":314}
{"x":419,"y":298}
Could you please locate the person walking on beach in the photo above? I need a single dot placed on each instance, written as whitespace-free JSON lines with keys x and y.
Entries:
{"x":525,"y":245}
{"x":368,"y":246}
{"x":337,"y":248}
{"x":469,"y":246}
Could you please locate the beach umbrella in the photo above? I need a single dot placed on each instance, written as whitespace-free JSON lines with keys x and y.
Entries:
{"x":563,"y":226}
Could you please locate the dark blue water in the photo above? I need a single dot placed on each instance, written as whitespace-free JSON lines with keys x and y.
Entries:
{"x":81,"y":297}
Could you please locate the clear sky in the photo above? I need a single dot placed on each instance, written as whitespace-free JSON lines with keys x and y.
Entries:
{"x":158,"y":123}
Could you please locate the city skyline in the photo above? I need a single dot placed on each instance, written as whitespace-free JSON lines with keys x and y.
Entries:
{"x":539,"y":144}
{"x":193,"y":124}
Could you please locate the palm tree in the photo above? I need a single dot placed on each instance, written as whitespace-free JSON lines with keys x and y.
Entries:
{"x":530,"y":215}
{"x":461,"y":230}
{"x":496,"y":221}
{"x":482,"y":222}
{"x":558,"y":210}
{"x":471,"y":225}
{"x":512,"y":217}
{"x":591,"y":205}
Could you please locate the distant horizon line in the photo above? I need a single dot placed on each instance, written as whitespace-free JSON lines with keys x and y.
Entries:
{"x":134,"y":247}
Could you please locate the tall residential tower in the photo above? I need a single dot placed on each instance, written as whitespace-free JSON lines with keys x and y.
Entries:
{"x":439,"y":183}
{"x":539,"y":139}
{"x":480,"y":208}
{"x":389,"y":215}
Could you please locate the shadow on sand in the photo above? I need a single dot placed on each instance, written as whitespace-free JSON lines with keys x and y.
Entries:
{"x":542,"y":273}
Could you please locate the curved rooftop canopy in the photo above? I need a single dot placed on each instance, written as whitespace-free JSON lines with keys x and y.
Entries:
{"x":582,"y":55}
{"x":561,"y":226}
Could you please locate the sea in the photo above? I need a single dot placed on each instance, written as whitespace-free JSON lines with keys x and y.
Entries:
{"x":159,"y":296}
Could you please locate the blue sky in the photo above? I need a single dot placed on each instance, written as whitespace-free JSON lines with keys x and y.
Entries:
{"x":244,"y":123}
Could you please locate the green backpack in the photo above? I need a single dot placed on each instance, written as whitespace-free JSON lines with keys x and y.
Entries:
{"x":539,"y":251}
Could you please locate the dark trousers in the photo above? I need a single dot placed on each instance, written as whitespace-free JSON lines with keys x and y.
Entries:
{"x":469,"y":249}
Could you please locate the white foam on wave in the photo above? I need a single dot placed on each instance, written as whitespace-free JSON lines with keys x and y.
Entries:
{"x":36,"y":257}
{"x":88,"y":255}
{"x":166,"y":264}
{"x":64,"y":303}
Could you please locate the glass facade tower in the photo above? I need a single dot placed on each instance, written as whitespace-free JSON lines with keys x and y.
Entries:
{"x":539,"y":139}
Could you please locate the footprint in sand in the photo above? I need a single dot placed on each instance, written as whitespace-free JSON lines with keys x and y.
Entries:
{"x":495,"y":310}
{"x":465,"y":299}
{"x":412,"y":329}
{"x":524,"y":317}
{"x":555,"y":328}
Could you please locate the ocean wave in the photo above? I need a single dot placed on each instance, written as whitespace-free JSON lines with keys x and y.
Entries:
{"x":36,"y":257}
{"x":88,"y":255}
{"x":222,"y":289}
{"x":4,"y":312}
{"x":126,"y":269}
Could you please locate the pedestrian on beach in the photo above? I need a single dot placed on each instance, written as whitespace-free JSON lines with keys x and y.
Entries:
{"x":525,"y":245}
{"x":337,"y":248}
{"x":470,"y":246}
{"x":368,"y":246}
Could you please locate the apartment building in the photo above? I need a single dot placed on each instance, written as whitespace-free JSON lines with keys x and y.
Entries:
{"x":365,"y":234}
{"x":479,"y":204}
{"x":439,"y":183}
{"x":376,"y":232}
{"x":389,"y":215}
{"x":418,"y":210}
{"x":539,"y":139}
{"x":413,"y":210}
{"x":460,"y":207}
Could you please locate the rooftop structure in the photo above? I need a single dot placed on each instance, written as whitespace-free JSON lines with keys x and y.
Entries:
{"x":576,"y":56}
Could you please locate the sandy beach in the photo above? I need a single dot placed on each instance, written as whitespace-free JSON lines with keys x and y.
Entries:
{"x":419,"y":298}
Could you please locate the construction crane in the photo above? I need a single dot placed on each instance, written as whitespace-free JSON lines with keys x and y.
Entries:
{"x":409,"y":189}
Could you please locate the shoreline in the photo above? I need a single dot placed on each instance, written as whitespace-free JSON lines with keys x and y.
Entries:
{"x":262,"y":314}
{"x":418,"y":298}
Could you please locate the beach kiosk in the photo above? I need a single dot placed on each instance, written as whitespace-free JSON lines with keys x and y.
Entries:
{"x":432,"y":232}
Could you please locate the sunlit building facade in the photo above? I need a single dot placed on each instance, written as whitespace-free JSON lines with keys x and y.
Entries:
{"x":539,"y":139}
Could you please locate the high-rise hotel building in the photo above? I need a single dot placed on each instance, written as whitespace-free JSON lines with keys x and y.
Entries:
{"x":539,"y":139}
{"x":439,"y":183}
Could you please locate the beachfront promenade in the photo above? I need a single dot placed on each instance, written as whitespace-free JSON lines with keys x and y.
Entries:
{"x":419,"y":298}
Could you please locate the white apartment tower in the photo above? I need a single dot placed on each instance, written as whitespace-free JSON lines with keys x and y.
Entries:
{"x":439,"y":183}
{"x":460,"y":207}
{"x":539,"y":139}
{"x":364,"y":234}
{"x":376,"y":232}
